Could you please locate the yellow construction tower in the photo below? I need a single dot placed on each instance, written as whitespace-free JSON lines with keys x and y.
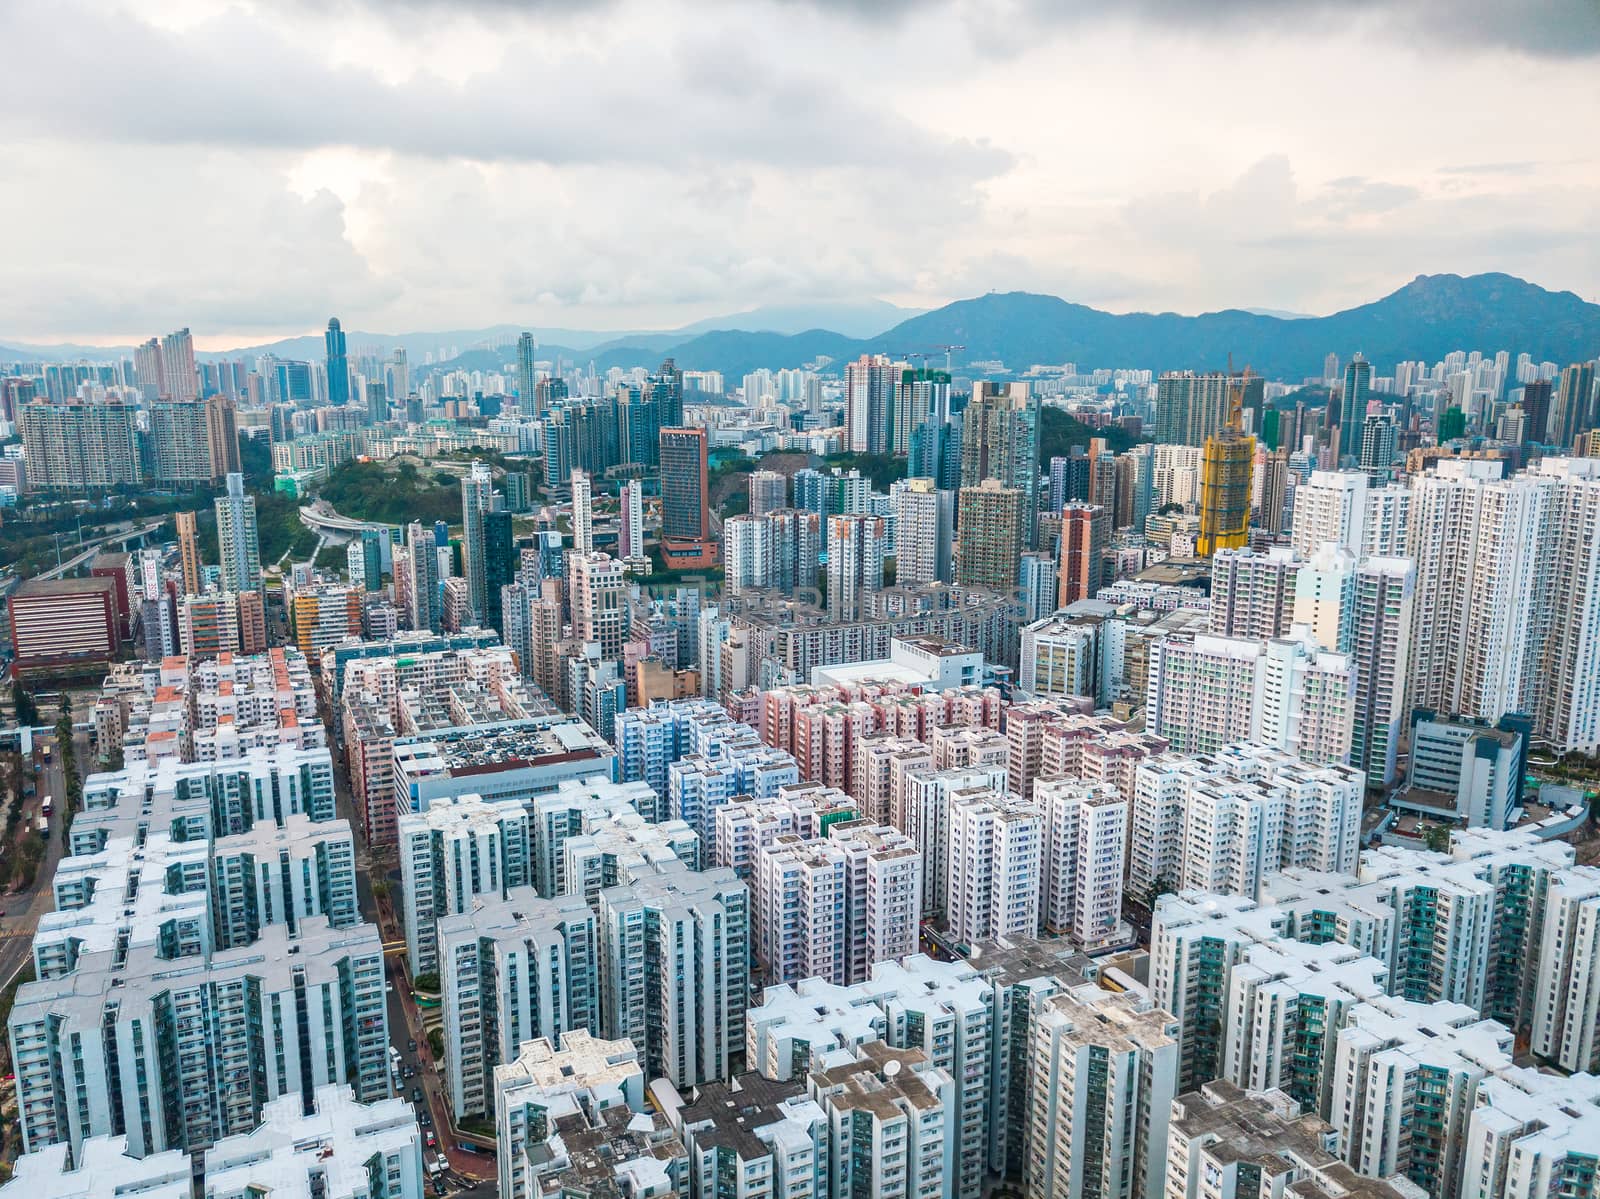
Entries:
{"x":1225,"y":471}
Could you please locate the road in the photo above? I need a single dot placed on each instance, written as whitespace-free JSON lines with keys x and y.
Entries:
{"x":22,"y":911}
{"x":93,"y":545}
{"x":406,"y":1032}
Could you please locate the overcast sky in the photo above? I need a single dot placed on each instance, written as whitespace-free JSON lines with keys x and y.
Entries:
{"x":248,"y":169}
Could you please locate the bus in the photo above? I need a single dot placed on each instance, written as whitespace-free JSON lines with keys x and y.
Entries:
{"x":44,"y":808}
{"x":45,"y":749}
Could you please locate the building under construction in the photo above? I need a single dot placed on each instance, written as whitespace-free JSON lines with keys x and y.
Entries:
{"x":1226,"y":465}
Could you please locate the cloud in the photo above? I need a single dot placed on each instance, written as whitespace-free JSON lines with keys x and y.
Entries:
{"x":236,"y":81}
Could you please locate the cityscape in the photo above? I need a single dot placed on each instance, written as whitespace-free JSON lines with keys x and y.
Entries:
{"x":767,"y":717}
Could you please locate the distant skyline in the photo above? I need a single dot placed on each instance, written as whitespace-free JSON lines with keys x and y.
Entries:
{"x":248,"y":169}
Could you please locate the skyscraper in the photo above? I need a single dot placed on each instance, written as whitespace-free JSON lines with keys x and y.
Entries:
{"x":869,"y":402}
{"x":582,"y":513}
{"x":1377,"y":446}
{"x":1536,"y":403}
{"x":188,"y":552}
{"x":1000,"y":440}
{"x":1353,"y":404}
{"x":920,"y":398}
{"x":179,"y":380}
{"x":1225,"y":472}
{"x":685,"y":499}
{"x":630,"y":540}
{"x":424,"y":567}
{"x":1574,"y":404}
{"x":477,"y":498}
{"x":989,"y":550}
{"x":499,"y":561}
{"x":769,"y":490}
{"x":338,"y":365}
{"x":1085,"y":533}
{"x":237,"y":539}
{"x":527,"y":380}
{"x":1190,"y":407}
{"x":1380,"y":643}
{"x":667,"y":384}
{"x":855,"y":562}
{"x":73,"y":446}
{"x":924,"y":530}
{"x":599,"y":615}
{"x":146,"y":370}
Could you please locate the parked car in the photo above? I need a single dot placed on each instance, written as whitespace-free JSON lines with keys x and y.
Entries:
{"x":416,"y":1094}
{"x":431,"y":1140}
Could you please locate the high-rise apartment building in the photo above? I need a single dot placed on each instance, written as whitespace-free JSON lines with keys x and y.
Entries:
{"x":1573,"y":410}
{"x":79,"y":446}
{"x":527,"y":377}
{"x":994,"y":528}
{"x":179,"y":379}
{"x":1252,"y":592}
{"x":1332,"y":506}
{"x":582,"y":513}
{"x":674,"y":975}
{"x":457,"y":850}
{"x":1000,"y":440}
{"x":630,"y":528}
{"x":1086,"y":842}
{"x":995,"y":858}
{"x":1380,"y":644}
{"x":869,"y":405}
{"x":921,"y":410}
{"x":597,"y":593}
{"x":477,"y":500}
{"x":1085,"y":534}
{"x":1190,"y":407}
{"x":188,"y":552}
{"x":238,"y":542}
{"x":924,"y":531}
{"x":512,"y":968}
{"x":1102,"y":1075}
{"x":769,"y":491}
{"x":855,"y":563}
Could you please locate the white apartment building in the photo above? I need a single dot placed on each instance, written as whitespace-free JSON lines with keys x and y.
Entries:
{"x":1204,"y":692}
{"x":926,"y":800}
{"x":1226,"y":1143}
{"x":102,"y":1169}
{"x":688,"y":1021}
{"x":1405,"y":1080}
{"x":751,"y":1138}
{"x":341,"y":1149}
{"x":1086,"y":844}
{"x":747,"y":826}
{"x":889,"y":1117}
{"x":1253,"y":592}
{"x":1529,"y":1134}
{"x":1324,"y":596}
{"x":1330,"y":506}
{"x":574,"y":808}
{"x":995,"y":869}
{"x":1286,"y":1002}
{"x":1222,"y":822}
{"x":510,"y":970}
{"x":925,"y":531}
{"x":542,"y":1091}
{"x":457,"y":850}
{"x":196,"y":1045}
{"x":617,"y":849}
{"x":1103,"y":1072}
{"x":1060,"y":656}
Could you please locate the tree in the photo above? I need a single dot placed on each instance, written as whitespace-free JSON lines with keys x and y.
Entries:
{"x":1437,"y":838}
{"x":27,"y":710}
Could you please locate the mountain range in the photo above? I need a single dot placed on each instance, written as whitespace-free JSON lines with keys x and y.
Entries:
{"x":1427,"y":319}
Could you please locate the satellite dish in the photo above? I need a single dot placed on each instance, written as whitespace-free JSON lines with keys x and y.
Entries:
{"x":891,"y":1068}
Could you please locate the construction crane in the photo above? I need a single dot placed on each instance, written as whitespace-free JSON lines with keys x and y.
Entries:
{"x":948,"y":350}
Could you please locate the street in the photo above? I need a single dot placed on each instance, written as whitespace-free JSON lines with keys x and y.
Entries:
{"x":405,"y":1022}
{"x":23,"y":910}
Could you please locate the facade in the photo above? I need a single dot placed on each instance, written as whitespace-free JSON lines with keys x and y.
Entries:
{"x":1086,"y":843}
{"x":457,"y":850}
{"x":512,"y":968}
{"x":924,"y":532}
{"x":1253,"y":593}
{"x":1085,"y":533}
{"x":855,"y":562}
{"x":1102,"y":1075}
{"x":995,"y":859}
{"x":339,"y":1149}
{"x":994,"y":527}
{"x":77,"y":445}
{"x":1000,"y":440}
{"x":685,"y":498}
{"x":63,"y":625}
{"x":238,"y":541}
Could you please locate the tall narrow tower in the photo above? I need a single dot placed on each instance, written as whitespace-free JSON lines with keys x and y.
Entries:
{"x":1226,"y":468}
